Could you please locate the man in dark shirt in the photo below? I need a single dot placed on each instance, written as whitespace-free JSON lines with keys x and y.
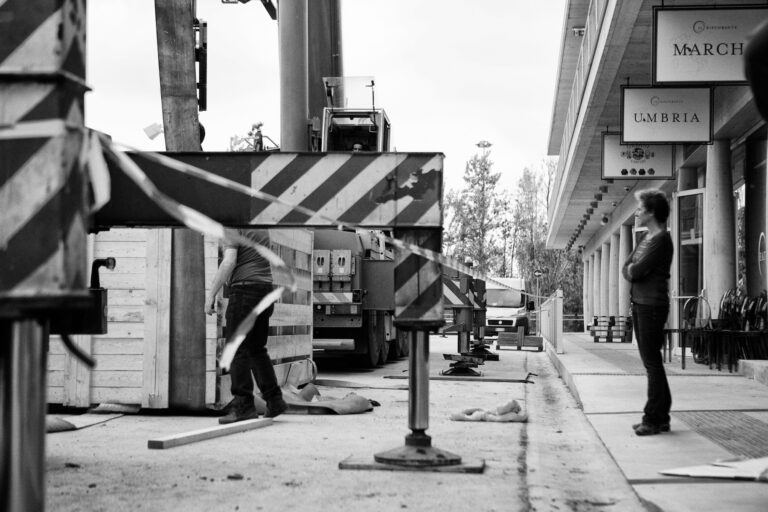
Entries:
{"x":249,"y":278}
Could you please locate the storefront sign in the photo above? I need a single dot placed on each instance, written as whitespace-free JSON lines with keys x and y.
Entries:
{"x":636,"y":161}
{"x":666,"y":115}
{"x":695,"y":45}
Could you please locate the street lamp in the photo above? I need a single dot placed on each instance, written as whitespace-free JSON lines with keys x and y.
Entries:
{"x":484,"y":144}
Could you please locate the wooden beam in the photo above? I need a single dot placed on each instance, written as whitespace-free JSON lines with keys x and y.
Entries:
{"x":178,"y":92}
{"x":206,"y":433}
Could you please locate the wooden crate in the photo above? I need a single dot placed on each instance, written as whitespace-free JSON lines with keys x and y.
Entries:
{"x":132,"y":359}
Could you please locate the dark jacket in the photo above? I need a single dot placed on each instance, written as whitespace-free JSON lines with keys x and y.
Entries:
{"x":647,"y":268}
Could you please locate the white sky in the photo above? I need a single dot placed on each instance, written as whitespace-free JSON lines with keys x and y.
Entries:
{"x":449,"y":73}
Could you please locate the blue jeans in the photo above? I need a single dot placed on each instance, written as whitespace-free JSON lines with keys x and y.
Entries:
{"x":648,"y":322}
{"x":251,"y":355}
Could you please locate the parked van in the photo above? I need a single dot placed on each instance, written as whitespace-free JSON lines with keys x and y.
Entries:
{"x":506,"y":307}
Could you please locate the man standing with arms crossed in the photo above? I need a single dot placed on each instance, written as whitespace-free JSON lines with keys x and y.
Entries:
{"x":249,"y":277}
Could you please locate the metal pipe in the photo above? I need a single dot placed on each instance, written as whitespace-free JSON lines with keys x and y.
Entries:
{"x":292,"y":37}
{"x":22,"y":414}
{"x":418,"y":381}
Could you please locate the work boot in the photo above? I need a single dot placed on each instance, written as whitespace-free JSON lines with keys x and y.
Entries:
{"x":646,"y":429}
{"x":663,"y":427}
{"x":275,"y":407}
{"x":241,"y":409}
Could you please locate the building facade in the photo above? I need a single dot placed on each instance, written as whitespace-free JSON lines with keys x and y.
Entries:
{"x":653,"y":95}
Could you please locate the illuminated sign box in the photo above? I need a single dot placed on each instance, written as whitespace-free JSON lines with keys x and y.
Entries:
{"x":666,"y":115}
{"x":702,"y":45}
{"x":636,"y":161}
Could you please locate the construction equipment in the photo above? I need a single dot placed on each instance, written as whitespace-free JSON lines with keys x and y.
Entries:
{"x":353,"y":297}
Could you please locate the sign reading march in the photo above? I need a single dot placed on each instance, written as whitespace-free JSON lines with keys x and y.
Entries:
{"x":666,"y":115}
{"x":702,"y":45}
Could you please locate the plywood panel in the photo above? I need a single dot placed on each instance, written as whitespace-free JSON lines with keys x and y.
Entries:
{"x":116,"y":395}
{"x":107,"y":346}
{"x":115,"y":379}
{"x":120,"y":250}
{"x":156,"y":360}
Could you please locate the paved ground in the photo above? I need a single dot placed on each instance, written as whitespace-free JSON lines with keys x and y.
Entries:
{"x":556,"y":461}
{"x":716,"y":415}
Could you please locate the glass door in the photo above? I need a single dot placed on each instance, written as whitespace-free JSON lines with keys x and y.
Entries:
{"x":690,"y":229}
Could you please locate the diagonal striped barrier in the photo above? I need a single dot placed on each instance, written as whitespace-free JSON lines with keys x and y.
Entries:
{"x":43,"y":183}
{"x":371,"y":190}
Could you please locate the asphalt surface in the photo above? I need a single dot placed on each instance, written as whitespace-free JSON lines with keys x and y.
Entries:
{"x":554,"y":461}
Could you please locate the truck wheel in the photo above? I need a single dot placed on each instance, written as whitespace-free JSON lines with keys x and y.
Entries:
{"x":384,"y":349}
{"x":371,"y":342}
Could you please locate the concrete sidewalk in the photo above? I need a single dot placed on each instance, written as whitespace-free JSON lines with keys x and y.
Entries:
{"x":716,"y":415}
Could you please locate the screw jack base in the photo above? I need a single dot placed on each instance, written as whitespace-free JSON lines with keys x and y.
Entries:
{"x":418,"y":451}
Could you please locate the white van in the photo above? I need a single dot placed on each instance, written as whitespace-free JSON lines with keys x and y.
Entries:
{"x":506,"y":306}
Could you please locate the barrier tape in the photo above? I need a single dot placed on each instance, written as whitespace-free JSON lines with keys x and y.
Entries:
{"x":205,"y":225}
{"x":191,"y":170}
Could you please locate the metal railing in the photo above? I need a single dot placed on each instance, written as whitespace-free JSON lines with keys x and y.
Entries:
{"x":551,"y":320}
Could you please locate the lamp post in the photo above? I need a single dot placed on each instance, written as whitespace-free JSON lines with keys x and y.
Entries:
{"x":484,"y":145}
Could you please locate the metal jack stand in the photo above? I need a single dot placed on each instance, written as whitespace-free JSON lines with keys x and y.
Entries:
{"x":418,"y":452}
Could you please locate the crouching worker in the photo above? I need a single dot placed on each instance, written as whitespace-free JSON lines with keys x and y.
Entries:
{"x":249,"y":278}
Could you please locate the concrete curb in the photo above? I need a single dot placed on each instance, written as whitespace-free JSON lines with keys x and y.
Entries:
{"x":564,"y":374}
{"x":754,"y":369}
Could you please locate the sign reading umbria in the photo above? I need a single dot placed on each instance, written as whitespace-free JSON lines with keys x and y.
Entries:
{"x":666,"y":115}
{"x":636,"y":161}
{"x":695,"y":45}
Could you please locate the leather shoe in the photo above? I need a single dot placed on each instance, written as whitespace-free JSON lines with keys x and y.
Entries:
{"x":663,"y":427}
{"x":646,"y":429}
{"x":275,"y":407}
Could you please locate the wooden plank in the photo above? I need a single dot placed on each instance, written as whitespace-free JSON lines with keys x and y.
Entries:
{"x":120,"y":250}
{"x":280,"y":347}
{"x":124,"y":330}
{"x":291,"y":314}
{"x":100,"y":395}
{"x":77,"y":376}
{"x":157,"y":320}
{"x":124,"y":265}
{"x":127,"y":297}
{"x":122,"y":235}
{"x":117,"y":379}
{"x":125,"y":313}
{"x":106,"y":346}
{"x":120,"y":363}
{"x":195,"y":436}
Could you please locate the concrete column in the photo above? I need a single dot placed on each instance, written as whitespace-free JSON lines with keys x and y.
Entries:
{"x":585,"y":295}
{"x":605,"y":260}
{"x":596,"y":274}
{"x":719,"y":227}
{"x":294,"y":110}
{"x":625,"y":248}
{"x":613,"y":277}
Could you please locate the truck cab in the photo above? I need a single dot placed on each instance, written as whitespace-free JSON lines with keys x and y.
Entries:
{"x":506,"y":305}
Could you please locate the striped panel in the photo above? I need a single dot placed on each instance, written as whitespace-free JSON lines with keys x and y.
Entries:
{"x":418,"y":292}
{"x":332,"y":298}
{"x":452,"y":295}
{"x":385,"y":189}
{"x":45,"y":37}
{"x":43,"y":187}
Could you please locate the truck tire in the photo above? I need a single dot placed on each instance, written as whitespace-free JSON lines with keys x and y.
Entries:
{"x":370,"y":359}
{"x":384,"y":349}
